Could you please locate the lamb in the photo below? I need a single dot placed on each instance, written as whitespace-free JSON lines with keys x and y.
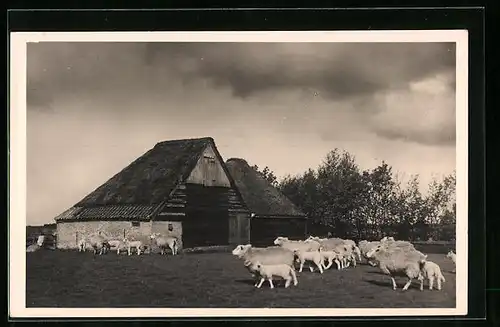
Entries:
{"x":430,"y":271}
{"x":453,"y":257}
{"x":163,"y":242}
{"x":314,"y":256}
{"x":330,"y":256}
{"x":269,"y":271}
{"x":398,"y":262}
{"x":267,"y":256}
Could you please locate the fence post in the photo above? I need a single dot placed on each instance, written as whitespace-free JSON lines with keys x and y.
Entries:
{"x":76,"y":238}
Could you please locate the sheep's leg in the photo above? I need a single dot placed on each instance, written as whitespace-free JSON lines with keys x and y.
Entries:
{"x":270,"y":282}
{"x":138,"y":251}
{"x":311,"y":269}
{"x":129,"y":251}
{"x":394,"y":285}
{"x":301,"y":266}
{"x":338,"y":264}
{"x":260,"y":283}
{"x":330,"y":263}
{"x":318,"y":264}
{"x":288,"y":282}
{"x":421,"y":280}
{"x":408,"y":283}
{"x":431,"y":282}
{"x":439,"y":284}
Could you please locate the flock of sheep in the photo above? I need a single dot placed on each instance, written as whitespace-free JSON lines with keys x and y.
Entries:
{"x":100,"y":244}
{"x":394,"y":258}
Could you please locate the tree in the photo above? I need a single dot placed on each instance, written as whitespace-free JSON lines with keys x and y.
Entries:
{"x":379,"y":199}
{"x":268,"y":174}
{"x":339,"y":188}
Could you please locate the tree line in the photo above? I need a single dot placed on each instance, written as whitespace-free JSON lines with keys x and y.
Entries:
{"x":341,"y":198}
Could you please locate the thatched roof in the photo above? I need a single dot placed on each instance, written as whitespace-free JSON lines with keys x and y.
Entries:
{"x":259,"y":195}
{"x":142,"y":186}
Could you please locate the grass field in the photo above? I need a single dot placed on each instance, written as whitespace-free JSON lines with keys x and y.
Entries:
{"x":72,"y":279}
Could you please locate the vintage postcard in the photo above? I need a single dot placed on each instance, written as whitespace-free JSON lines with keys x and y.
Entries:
{"x":233,"y":174}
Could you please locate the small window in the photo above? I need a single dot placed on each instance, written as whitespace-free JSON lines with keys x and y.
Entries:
{"x":170,"y":227}
{"x":136,"y":224}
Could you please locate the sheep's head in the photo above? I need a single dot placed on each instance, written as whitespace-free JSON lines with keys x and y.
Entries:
{"x":450,"y":254}
{"x":374,"y":251}
{"x":240,"y":250}
{"x":279,"y":240}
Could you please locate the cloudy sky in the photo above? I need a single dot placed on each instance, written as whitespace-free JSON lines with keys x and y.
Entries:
{"x":95,"y":107}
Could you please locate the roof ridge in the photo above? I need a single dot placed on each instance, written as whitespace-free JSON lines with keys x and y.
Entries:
{"x":205,"y":138}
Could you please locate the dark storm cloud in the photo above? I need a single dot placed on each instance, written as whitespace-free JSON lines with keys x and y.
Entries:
{"x":336,"y":70}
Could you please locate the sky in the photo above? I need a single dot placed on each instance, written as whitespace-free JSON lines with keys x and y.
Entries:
{"x":93,"y":108}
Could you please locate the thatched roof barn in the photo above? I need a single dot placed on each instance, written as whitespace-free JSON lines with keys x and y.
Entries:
{"x":272,"y":213}
{"x":178,"y":187}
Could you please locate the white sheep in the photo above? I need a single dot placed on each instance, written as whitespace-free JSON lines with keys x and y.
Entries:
{"x":82,"y":245}
{"x":453,"y":257}
{"x":273,"y":270}
{"x":333,"y":244}
{"x":312,"y":256}
{"x":432,"y":272}
{"x":330,"y":256}
{"x":267,"y":256}
{"x":134,"y":244}
{"x":33,"y":248}
{"x":397,"y":261}
{"x":40,"y":240}
{"x":166,"y":241}
{"x":364,"y":247}
{"x":284,"y":242}
{"x":98,"y":243}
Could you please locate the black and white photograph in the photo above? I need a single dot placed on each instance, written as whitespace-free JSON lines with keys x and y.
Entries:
{"x":204,"y":174}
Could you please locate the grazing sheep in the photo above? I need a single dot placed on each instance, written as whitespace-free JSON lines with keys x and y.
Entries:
{"x":163,"y":242}
{"x":431,"y":271}
{"x":98,"y":243}
{"x":398,"y":262}
{"x":453,"y":257}
{"x":269,"y":271}
{"x":313,"y":256}
{"x":32,"y":248}
{"x":267,"y":256}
